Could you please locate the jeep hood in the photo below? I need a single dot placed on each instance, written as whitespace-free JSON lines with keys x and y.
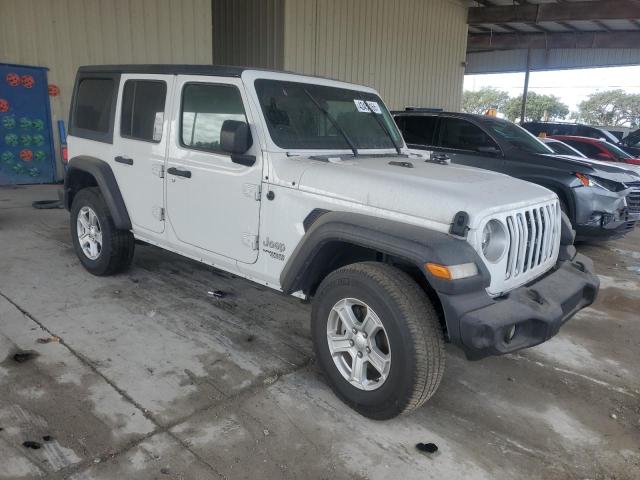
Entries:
{"x":427,"y":190}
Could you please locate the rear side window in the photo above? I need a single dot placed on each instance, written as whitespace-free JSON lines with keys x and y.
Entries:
{"x":463,"y":135}
{"x":142,"y":114}
{"x":205,"y":107}
{"x":588,"y":149}
{"x":93,"y":104}
{"x":418,"y":130}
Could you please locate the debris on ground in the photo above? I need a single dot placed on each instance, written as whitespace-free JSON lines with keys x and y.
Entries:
{"x":32,"y":445}
{"x":24,"y":356}
{"x":165,"y":471}
{"x":614,"y":416}
{"x":47,"y":438}
{"x":51,"y":339}
{"x":427,"y":447}
{"x":266,"y":432}
{"x":217,"y":293}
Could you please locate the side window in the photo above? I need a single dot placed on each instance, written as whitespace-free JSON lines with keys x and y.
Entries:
{"x":586,"y":149}
{"x":142,"y":114}
{"x":205,"y":107}
{"x":462,"y":135}
{"x":93,"y":103}
{"x":419,"y":130}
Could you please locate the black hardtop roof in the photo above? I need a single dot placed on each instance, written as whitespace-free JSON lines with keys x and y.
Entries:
{"x":469,"y":116}
{"x":168,"y":69}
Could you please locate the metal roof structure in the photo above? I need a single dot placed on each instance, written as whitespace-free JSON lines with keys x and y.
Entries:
{"x":558,"y":33}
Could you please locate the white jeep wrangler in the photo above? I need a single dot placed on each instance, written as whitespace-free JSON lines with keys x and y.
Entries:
{"x":305,"y":185}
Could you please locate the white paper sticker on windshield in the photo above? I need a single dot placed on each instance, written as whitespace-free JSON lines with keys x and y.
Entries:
{"x":374,"y":107}
{"x":361,"y":105}
{"x":157,"y":126}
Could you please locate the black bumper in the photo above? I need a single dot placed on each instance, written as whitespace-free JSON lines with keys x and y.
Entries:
{"x":482,"y":325}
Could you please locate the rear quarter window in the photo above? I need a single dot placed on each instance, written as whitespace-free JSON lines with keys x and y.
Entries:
{"x":93,"y":107}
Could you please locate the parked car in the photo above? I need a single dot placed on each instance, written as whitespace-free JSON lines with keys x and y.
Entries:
{"x":575,"y":129}
{"x":598,"y":149}
{"x":562,"y":148}
{"x":305,"y":185}
{"x":631,"y":143}
{"x":593,"y":194}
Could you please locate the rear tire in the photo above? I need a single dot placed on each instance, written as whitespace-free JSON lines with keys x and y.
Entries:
{"x":101,"y":248}
{"x":414,"y":345}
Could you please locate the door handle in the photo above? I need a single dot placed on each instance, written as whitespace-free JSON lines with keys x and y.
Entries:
{"x":125,"y":160}
{"x":178,"y":172}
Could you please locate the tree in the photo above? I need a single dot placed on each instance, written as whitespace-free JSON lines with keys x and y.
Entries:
{"x":610,"y":108}
{"x":537,"y":106}
{"x":480,"y":101}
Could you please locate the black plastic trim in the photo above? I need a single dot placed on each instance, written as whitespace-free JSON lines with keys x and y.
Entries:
{"x":106,"y":181}
{"x":411,"y":243}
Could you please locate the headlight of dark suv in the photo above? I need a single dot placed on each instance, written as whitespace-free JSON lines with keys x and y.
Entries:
{"x":591,"y":181}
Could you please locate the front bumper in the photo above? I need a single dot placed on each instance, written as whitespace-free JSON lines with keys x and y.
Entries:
{"x":484,"y":326}
{"x":602,"y":215}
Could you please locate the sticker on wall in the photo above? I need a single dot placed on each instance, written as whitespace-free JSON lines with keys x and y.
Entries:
{"x":39,"y":156}
{"x":11,"y":139}
{"x":53,"y":90}
{"x":25,"y":123}
{"x":13,"y":79}
{"x":361,"y":105}
{"x":38,"y":140}
{"x":25,"y":140}
{"x":38,"y":124}
{"x":4,"y":105}
{"x":9,"y":122}
{"x":7,"y":157}
{"x":375,"y":108}
{"x":27,"y":81}
{"x":26,"y":155}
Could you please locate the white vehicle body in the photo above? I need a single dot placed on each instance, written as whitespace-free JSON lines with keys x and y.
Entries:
{"x":185,"y":215}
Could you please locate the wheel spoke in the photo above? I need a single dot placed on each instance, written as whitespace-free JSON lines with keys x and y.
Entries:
{"x":339,"y":343}
{"x":371,"y":323}
{"x":84,"y":221}
{"x":93,"y":248}
{"x":379,"y":361}
{"x":345,"y":312}
{"x":358,"y":370}
{"x":98,"y":238}
{"x":93,"y":219}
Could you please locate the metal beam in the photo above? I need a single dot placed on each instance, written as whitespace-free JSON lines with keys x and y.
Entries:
{"x":556,"y":12}
{"x":478,"y":42}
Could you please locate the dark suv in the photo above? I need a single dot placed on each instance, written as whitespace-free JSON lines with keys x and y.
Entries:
{"x":573,"y":129}
{"x":593,"y":194}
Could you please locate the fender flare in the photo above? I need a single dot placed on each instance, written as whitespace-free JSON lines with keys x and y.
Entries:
{"x":412,"y":243}
{"x":563,"y":191}
{"x":106,"y":181}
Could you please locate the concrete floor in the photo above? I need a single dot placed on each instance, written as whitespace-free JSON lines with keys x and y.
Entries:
{"x":152,"y":378}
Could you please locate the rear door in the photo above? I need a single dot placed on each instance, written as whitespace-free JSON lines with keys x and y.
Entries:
{"x":140,"y":147}
{"x":419,"y":131}
{"x":212,"y":202}
{"x":467,"y":144}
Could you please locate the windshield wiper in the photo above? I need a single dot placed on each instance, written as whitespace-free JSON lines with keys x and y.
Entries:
{"x":384,"y":128}
{"x":333,"y":122}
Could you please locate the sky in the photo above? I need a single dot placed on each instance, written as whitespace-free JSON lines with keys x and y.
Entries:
{"x":572,"y":86}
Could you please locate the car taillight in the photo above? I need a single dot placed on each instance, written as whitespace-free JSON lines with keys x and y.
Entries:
{"x":65,"y":154}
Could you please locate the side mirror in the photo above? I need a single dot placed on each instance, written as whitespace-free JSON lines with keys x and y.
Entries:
{"x":489,"y":150}
{"x":235,"y":137}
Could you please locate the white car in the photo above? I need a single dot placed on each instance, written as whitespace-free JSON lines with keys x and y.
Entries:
{"x":305,"y":185}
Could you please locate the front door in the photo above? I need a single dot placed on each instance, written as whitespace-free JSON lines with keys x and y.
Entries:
{"x":212,"y":202}
{"x":467,"y":144}
{"x":140,"y":147}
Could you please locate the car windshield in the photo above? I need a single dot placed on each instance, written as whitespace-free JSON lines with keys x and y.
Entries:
{"x":308,"y":116}
{"x":517,"y":136}
{"x":562,"y":148}
{"x":618,"y":152}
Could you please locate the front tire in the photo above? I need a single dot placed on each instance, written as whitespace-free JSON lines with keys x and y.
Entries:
{"x":102,"y":249}
{"x":377,"y":338}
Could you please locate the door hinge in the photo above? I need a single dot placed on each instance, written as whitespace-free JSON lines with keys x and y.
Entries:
{"x":250,"y":240}
{"x":158,"y":170}
{"x":158,"y":213}
{"x":252,"y":190}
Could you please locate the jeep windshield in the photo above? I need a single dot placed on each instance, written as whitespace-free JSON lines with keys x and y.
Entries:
{"x":516,"y":136}
{"x":318,"y":117}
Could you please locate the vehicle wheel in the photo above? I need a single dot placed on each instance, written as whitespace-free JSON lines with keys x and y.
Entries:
{"x":102,"y":249}
{"x":377,"y":338}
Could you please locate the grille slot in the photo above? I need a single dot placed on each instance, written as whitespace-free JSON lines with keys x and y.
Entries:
{"x":533,"y":238}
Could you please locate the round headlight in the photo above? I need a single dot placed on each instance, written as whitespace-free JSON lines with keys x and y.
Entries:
{"x":494,"y":240}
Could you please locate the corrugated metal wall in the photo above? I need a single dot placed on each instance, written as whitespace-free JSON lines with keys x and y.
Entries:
{"x":553,"y":59}
{"x":64,"y":34}
{"x":412,"y":51}
{"x":248,"y":33}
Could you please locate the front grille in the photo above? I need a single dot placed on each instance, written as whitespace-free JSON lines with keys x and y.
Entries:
{"x":533,"y":238}
{"x":633,"y":199}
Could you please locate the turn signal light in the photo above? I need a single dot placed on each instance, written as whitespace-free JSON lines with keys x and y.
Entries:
{"x":584,"y":179}
{"x":452,"y":272}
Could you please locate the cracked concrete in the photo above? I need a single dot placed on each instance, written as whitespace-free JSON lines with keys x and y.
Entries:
{"x":152,"y":378}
